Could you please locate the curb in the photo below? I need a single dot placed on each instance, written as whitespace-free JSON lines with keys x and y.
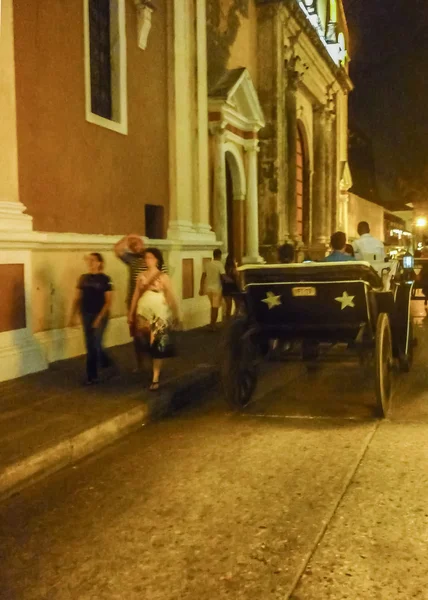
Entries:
{"x":176,"y":394}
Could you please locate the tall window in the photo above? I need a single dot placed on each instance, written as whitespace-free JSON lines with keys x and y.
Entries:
{"x":105,"y":64}
{"x":99,"y":53}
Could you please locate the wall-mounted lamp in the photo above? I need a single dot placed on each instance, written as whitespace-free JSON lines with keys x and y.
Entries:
{"x":145,"y":9}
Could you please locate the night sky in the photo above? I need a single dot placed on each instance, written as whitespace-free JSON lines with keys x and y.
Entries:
{"x":389,"y":68}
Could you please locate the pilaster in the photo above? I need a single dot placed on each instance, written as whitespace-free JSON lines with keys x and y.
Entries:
{"x":12,"y":217}
{"x":319,"y":179}
{"x":293,"y":78}
{"x":220,"y":191}
{"x":252,"y":210}
{"x":273,"y":143}
{"x":189,"y":203}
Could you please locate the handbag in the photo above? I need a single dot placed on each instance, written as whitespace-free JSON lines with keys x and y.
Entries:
{"x":164,"y":345}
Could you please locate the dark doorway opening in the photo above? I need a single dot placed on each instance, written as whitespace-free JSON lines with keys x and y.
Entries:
{"x":154,"y":219}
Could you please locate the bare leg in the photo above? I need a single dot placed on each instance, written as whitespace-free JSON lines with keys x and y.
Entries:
{"x":214,"y":317}
{"x":157,"y":365}
{"x":228,"y":302}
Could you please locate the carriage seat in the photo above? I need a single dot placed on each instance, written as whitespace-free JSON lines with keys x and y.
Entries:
{"x":312,"y":272}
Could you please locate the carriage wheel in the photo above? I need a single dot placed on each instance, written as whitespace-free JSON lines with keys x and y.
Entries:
{"x":239,"y":368}
{"x":384,"y":365}
{"x":406,"y":360}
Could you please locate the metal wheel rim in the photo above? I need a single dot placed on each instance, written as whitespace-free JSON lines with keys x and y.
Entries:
{"x":246,"y":385}
{"x":384,"y":367}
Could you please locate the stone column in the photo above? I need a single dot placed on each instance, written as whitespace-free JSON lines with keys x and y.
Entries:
{"x":319,"y":195}
{"x":12,"y":217}
{"x":201,"y":208}
{"x":271,"y":84}
{"x":220,"y":191}
{"x":328,"y":173}
{"x":188,"y":143}
{"x":252,"y":207}
{"x":291,"y":108}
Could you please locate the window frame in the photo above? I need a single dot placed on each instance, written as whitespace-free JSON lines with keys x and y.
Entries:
{"x":121,"y":124}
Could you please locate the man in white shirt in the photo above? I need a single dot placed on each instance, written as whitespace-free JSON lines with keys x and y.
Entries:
{"x":211,"y":285}
{"x":367,"y":247}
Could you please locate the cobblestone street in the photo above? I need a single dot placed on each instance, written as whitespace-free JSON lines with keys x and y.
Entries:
{"x":304,"y":496}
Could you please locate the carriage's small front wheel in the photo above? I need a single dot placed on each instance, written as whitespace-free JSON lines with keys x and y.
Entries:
{"x":239,"y":369}
{"x":384,"y":365}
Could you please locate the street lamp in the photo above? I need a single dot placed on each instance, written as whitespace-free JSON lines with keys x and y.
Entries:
{"x":421,"y":222}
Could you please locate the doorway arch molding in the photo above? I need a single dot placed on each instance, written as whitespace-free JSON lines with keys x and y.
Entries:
{"x":237,"y":169}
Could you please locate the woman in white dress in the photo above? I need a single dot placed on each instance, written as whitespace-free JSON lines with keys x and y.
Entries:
{"x":153,"y":311}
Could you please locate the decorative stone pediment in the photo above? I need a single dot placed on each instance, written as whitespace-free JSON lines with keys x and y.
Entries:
{"x":233,"y":101}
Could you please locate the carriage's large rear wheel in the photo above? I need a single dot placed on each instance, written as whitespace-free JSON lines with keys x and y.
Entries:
{"x":384,"y":365}
{"x":239,"y":368}
{"x":405,"y":359}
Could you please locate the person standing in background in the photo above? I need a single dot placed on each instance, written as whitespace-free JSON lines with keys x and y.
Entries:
{"x":211,"y":285}
{"x":367,"y":247}
{"x":230,"y":286}
{"x":92,"y":300}
{"x":286,"y":253}
{"x":338,"y":249}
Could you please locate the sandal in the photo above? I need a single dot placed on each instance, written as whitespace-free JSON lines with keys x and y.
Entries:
{"x":154,"y":386}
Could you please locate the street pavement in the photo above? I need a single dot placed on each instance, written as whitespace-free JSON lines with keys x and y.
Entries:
{"x":304,"y":496}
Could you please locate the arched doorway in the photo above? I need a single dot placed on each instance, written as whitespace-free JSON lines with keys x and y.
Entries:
{"x":235,"y":191}
{"x":302,"y":186}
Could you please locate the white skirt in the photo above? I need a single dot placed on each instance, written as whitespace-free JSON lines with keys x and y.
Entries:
{"x":153,"y":306}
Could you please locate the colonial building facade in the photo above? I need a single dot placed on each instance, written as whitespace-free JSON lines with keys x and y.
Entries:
{"x":195,"y":123}
{"x":104,"y":131}
{"x":292,"y":56}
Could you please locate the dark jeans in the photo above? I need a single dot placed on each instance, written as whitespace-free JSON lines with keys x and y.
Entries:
{"x":93,"y":339}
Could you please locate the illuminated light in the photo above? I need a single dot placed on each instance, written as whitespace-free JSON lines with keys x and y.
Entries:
{"x":333,"y":11}
{"x":421,"y":222}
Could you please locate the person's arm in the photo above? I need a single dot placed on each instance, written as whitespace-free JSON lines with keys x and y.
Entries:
{"x":108,"y":296}
{"x":122,"y":246}
{"x":202,"y":284}
{"x":170,"y":296}
{"x":135,"y":297}
{"x":75,"y":306}
{"x":357,"y":252}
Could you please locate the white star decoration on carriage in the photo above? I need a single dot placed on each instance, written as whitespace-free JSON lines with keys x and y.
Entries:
{"x":272,"y":300}
{"x":346,"y":300}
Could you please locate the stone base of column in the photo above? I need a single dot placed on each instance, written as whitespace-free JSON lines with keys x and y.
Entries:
{"x":318,"y":250}
{"x":12,"y":217}
{"x":186,"y":231}
{"x":253,"y":260}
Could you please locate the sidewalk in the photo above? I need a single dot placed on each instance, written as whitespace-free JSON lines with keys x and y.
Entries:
{"x":49,"y":420}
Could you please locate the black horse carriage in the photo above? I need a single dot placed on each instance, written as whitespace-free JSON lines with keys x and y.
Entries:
{"x":365,"y":306}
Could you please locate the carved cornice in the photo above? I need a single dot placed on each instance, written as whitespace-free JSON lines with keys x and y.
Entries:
{"x":293,"y":8}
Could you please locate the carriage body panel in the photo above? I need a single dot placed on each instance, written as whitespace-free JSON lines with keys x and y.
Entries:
{"x":365,"y":306}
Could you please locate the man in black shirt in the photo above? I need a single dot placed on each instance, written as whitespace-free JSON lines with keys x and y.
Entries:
{"x":93,"y":300}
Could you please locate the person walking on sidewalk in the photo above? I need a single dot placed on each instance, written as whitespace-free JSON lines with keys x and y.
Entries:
{"x":130,"y":250}
{"x":93,"y":301}
{"x":230,"y":286}
{"x":211,"y":285}
{"x":154,"y":311}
